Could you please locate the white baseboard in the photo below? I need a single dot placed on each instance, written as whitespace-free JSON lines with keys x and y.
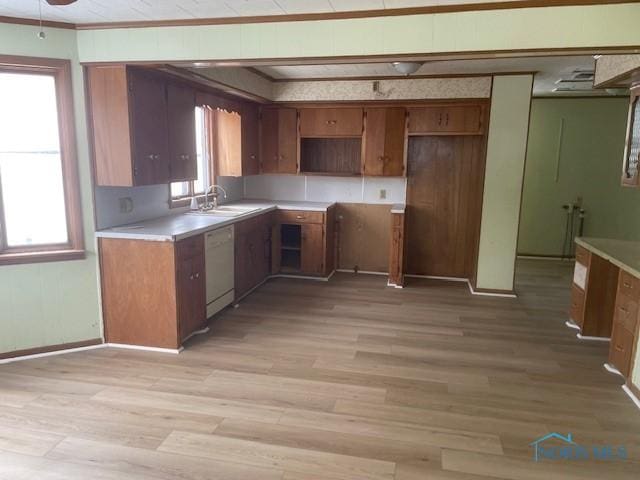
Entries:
{"x":571,"y":324}
{"x":144,"y":349}
{"x":631,"y":395}
{"x":587,"y":337}
{"x":611,"y":369}
{"x":490,"y":294}
{"x":197,"y":332}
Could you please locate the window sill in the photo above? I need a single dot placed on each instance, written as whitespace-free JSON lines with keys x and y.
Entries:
{"x":41,"y":257}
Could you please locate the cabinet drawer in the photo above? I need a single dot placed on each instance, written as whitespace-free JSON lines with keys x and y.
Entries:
{"x":576,"y":312}
{"x":629,"y":285}
{"x":300,"y":216}
{"x":583,"y":255}
{"x":328,"y":122}
{"x":626,"y":313}
{"x":620,"y":349}
{"x":190,"y":247}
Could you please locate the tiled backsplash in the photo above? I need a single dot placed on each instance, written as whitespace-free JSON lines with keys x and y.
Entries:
{"x":325,"y":188}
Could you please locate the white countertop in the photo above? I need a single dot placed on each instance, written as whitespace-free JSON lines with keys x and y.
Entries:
{"x":176,"y":227}
{"x":624,"y":254}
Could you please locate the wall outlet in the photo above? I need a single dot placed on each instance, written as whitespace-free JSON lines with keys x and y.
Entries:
{"x":383,"y":193}
{"x":126,"y":204}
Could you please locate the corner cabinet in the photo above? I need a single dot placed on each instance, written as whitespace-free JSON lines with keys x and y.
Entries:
{"x":304,"y":242}
{"x":143,"y":127}
{"x":631,"y":165}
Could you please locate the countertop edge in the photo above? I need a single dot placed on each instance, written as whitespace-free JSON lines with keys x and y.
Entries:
{"x":607,"y":256}
{"x":132,"y":235}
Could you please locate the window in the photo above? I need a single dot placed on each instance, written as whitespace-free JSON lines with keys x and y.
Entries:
{"x":181,"y":192}
{"x":40,"y":216}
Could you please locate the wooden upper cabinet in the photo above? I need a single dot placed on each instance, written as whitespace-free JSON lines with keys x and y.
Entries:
{"x":182,"y":132}
{"x":148,"y":112}
{"x":226,"y":131}
{"x":331,"y":122}
{"x":250,"y":139}
{"x":279,"y":140}
{"x":143,"y":127}
{"x":446,"y":120}
{"x":384,"y":141}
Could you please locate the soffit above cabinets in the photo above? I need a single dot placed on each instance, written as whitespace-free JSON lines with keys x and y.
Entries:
{"x":565,"y":75}
{"x":99,"y":11}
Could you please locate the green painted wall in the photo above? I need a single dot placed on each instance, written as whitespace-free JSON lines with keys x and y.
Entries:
{"x":590,"y":164}
{"x":52,"y":303}
{"x":506,"y":146}
{"x":526,"y":28}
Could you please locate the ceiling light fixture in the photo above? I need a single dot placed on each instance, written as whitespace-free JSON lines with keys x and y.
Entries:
{"x":406,"y":68}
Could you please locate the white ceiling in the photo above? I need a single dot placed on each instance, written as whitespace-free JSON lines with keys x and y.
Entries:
{"x":98,"y":11}
{"x":549,"y":70}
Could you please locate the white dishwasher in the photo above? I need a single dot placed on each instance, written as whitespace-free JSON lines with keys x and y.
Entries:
{"x":219,"y":260}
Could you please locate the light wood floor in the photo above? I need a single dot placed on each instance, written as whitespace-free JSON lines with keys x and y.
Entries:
{"x":341,"y":380}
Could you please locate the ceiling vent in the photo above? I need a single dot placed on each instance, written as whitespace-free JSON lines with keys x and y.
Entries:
{"x":582,"y":75}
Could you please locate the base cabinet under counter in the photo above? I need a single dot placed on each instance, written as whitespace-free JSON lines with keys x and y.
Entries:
{"x":625,"y":323}
{"x":153,"y":293}
{"x":304,"y":242}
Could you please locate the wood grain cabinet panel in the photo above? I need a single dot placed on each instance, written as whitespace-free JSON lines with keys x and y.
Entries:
{"x":576,"y":312}
{"x":250,"y":139}
{"x":279,"y":140}
{"x":313,"y":249}
{"x":446,"y":120}
{"x":252,"y":252}
{"x":396,"y":250}
{"x":331,"y":122}
{"x":182,"y":132}
{"x":153,"y":293}
{"x":149,"y":127}
{"x":143,"y":127}
{"x":620,"y":349}
{"x":191,"y":286}
{"x":384,"y":141}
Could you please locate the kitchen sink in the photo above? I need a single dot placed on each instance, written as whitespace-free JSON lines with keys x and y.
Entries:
{"x":225,"y":211}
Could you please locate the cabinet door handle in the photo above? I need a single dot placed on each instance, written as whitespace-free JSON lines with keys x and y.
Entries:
{"x":447,"y":119}
{"x":197,"y":275}
{"x":623,"y":309}
{"x":252,"y":157}
{"x":331,"y":122}
{"x":191,"y":277}
{"x":440,"y":120}
{"x":619,"y":348}
{"x":626,"y":284}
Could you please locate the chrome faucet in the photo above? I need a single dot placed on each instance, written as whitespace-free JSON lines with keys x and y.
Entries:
{"x":209,"y":206}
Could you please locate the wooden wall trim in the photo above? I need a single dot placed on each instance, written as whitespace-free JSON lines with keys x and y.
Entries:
{"x":36,"y":23}
{"x":390,"y":12}
{"x":302,"y":17}
{"x":50,"y":348}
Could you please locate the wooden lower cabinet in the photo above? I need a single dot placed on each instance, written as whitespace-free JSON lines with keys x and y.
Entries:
{"x":625,"y":323}
{"x":191,"y":286}
{"x":396,"y":250}
{"x":312,"y":249}
{"x":304,"y":242}
{"x":153,"y":293}
{"x":252,"y":252}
